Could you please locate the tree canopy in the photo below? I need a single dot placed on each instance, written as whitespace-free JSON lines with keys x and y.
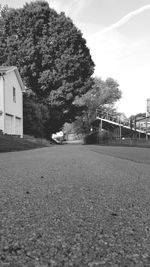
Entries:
{"x":102,"y":98}
{"x":51,"y":55}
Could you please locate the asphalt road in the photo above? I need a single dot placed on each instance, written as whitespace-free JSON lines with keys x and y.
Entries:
{"x":75,"y":205}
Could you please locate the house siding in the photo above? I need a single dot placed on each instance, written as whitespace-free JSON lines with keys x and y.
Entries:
{"x":11,"y":107}
{"x":11,"y":104}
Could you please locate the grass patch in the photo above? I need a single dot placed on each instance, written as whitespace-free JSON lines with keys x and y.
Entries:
{"x":12,"y":143}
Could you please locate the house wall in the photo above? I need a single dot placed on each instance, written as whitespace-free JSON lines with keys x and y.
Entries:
{"x":13,"y":110}
{"x":1,"y":105}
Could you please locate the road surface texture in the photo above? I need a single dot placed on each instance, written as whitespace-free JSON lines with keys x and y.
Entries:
{"x":75,"y":205}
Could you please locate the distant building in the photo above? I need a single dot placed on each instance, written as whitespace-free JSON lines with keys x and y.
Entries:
{"x":11,"y":101}
{"x":143,"y":123}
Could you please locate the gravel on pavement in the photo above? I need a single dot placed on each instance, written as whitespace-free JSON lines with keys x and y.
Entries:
{"x":75,"y":205}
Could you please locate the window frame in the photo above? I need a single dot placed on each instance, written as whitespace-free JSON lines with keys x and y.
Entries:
{"x":14,"y":94}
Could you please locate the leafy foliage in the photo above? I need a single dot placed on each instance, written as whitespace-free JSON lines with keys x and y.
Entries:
{"x":102,"y":98}
{"x":35,"y":116}
{"x":51,"y":55}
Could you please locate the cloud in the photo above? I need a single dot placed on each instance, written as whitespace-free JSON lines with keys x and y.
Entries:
{"x":112,"y":50}
{"x":72,"y":8}
{"x":125,"y":59}
{"x":125,"y":19}
{"x":78,"y":6}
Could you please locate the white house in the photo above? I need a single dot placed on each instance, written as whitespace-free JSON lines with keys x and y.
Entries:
{"x":11,"y":101}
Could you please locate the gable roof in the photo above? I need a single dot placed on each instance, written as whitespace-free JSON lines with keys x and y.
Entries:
{"x":6,"y":69}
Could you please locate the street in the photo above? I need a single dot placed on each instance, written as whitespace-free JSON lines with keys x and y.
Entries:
{"x":75,"y":205}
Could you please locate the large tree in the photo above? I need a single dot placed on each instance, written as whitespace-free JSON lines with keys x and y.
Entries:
{"x":99,"y":100}
{"x":35,"y":116}
{"x":51,"y":55}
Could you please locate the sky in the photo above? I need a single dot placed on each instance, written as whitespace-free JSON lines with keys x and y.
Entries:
{"x":118,"y":36}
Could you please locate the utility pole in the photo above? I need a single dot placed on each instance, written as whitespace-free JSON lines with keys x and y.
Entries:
{"x":139,"y":131}
{"x":120,"y":134}
{"x":147,"y":116}
{"x":101,"y":126}
{"x":135,"y":126}
{"x":146,"y":129}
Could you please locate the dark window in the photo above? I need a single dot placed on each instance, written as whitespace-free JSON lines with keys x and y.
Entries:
{"x":14,"y":94}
